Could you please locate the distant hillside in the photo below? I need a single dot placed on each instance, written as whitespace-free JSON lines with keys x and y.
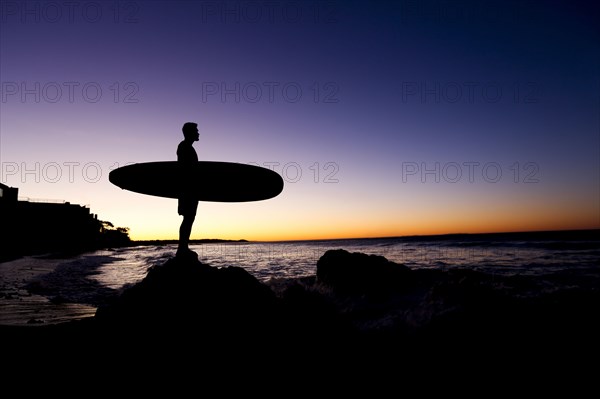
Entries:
{"x":32,"y":227}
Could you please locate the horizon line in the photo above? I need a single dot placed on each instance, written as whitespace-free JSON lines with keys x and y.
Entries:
{"x":380,"y":237}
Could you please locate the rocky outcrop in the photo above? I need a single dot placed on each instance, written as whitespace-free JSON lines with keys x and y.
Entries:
{"x":186,"y":295}
{"x":358,"y":273}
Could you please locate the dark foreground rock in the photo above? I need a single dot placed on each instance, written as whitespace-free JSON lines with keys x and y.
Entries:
{"x":461,"y":307}
{"x":358,"y":273}
{"x":357,"y":307}
{"x":185,"y":294}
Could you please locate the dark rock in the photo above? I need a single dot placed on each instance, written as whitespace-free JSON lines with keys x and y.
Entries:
{"x":57,"y":300}
{"x":187,"y":295}
{"x":358,"y":273}
{"x":310,"y":313}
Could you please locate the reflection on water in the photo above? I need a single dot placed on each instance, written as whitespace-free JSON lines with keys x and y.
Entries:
{"x":296,"y":259}
{"x":131,"y":265}
{"x":299,"y":259}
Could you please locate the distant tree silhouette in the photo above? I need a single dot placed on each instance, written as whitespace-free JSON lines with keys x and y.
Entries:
{"x":109,"y":236}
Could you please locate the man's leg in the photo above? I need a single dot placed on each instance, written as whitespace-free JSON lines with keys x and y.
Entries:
{"x":185,"y":230}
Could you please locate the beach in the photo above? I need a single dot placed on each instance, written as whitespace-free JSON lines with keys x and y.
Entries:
{"x":350,"y":313}
{"x":45,"y":290}
{"x":29,"y":294}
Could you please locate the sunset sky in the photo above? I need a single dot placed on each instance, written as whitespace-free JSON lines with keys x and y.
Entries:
{"x":384,"y":118}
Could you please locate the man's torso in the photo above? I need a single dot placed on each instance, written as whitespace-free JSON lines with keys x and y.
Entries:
{"x":186,"y":153}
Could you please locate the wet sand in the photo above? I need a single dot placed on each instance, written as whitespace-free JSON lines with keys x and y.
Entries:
{"x":22,"y":282}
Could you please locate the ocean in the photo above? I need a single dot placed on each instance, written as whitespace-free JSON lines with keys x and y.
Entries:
{"x":46,"y":290}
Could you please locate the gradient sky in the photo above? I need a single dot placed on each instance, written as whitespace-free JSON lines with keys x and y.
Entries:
{"x":369,"y":110}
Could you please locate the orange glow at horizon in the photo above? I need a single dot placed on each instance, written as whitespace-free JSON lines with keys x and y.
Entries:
{"x":577,"y":219}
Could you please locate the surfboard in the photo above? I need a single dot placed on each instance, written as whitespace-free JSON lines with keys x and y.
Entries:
{"x":204,"y":180}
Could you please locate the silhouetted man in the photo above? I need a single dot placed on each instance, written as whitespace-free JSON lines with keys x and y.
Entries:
{"x":188,"y":204}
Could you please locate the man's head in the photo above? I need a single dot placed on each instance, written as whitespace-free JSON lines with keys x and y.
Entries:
{"x":190,"y":131}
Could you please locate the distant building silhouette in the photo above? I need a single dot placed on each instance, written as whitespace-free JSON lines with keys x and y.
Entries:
{"x":30,"y":226}
{"x":8,"y":194}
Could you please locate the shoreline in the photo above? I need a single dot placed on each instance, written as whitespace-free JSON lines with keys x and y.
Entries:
{"x":356,"y":307}
{"x":138,"y":260}
{"x":42,"y":290}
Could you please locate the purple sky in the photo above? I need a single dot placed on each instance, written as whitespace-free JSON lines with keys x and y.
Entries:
{"x":349,"y":101}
